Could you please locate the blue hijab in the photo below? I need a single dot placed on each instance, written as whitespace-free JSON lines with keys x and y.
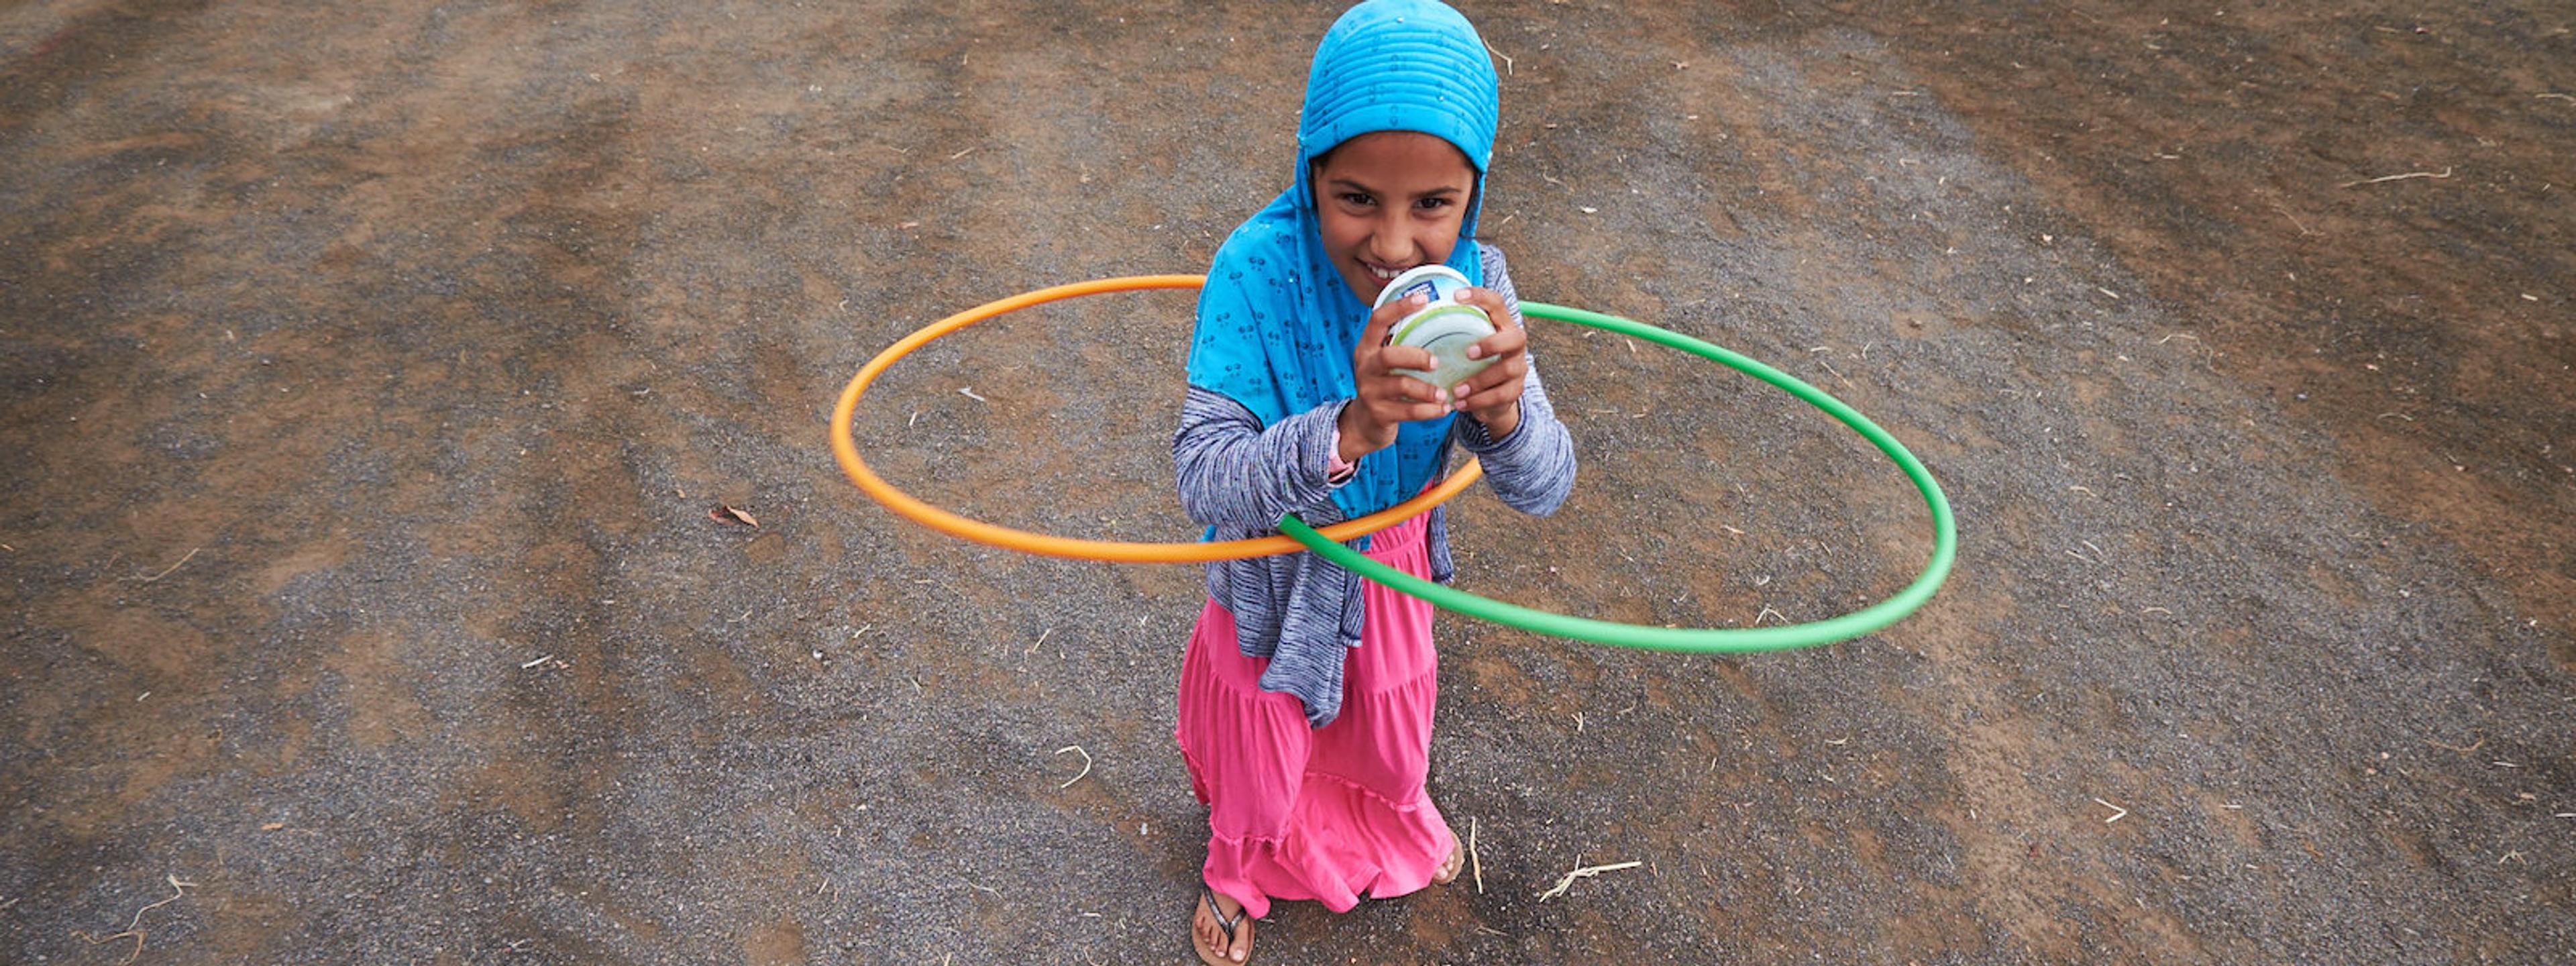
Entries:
{"x":1276,"y":323}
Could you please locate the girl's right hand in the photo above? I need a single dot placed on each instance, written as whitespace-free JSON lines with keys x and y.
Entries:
{"x":1387,"y":400}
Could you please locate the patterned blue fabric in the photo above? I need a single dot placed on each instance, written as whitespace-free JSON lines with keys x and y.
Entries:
{"x":1276,"y":323}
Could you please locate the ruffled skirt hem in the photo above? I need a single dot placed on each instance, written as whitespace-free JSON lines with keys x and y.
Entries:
{"x":1342,"y":842}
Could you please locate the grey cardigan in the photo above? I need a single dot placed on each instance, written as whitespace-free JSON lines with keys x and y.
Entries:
{"x":1299,"y":610}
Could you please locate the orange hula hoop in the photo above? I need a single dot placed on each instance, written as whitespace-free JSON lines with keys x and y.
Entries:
{"x":846,"y":451}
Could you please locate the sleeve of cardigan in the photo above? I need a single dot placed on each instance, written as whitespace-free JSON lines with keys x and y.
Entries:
{"x":1531,"y":470}
{"x":1233,"y":472}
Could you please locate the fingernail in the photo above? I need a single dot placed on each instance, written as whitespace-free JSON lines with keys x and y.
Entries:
{"x":1475,"y":352}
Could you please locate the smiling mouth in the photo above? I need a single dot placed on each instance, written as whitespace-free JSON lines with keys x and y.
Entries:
{"x":1382,"y":274}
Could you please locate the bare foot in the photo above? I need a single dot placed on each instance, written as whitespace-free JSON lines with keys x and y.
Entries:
{"x":1216,"y":942}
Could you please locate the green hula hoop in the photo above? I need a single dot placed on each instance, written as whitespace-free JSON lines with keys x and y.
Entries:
{"x":1699,"y":640}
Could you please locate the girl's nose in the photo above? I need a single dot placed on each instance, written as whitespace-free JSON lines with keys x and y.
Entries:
{"x":1389,"y":246}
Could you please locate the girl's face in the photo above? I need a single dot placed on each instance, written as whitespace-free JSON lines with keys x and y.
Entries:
{"x":1389,"y":201}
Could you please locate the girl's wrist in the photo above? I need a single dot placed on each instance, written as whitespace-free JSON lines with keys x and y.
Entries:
{"x":1351,"y":438}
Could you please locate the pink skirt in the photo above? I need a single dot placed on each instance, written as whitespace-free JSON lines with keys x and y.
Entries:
{"x":1324,"y":814}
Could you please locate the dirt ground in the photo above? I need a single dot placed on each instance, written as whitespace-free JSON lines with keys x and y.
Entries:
{"x":370,"y":373}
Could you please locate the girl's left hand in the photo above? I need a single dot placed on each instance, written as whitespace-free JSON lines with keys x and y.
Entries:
{"x":1493,"y":396}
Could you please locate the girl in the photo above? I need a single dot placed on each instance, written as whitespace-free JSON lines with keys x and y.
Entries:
{"x":1306,"y":693}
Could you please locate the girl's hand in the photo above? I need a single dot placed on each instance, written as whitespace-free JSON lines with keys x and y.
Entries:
{"x":1385,"y":399}
{"x":1493,"y":396}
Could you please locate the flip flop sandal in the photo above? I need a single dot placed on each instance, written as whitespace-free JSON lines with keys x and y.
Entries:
{"x":1457,"y":863}
{"x":1218,"y":959}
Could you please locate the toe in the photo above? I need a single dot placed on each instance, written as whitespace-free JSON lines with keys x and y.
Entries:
{"x":1204,"y":933}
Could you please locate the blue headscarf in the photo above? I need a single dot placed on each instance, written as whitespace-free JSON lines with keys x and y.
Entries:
{"x":1276,"y":323}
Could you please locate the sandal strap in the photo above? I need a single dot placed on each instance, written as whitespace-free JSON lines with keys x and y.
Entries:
{"x":1219,"y":912}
